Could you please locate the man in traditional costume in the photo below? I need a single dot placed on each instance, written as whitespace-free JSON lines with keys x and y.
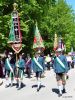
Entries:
{"x":28,"y":65}
{"x":20,"y":65}
{"x":9,"y":71}
{"x":60,"y":68}
{"x":38,"y":60}
{"x":38,"y":68}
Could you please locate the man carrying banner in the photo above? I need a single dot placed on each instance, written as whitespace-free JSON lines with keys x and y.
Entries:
{"x":61,"y":68}
{"x":38,"y":61}
{"x":38,"y":67}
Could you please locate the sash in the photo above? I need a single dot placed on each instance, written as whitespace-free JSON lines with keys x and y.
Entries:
{"x":37,"y":63}
{"x":9,"y":65}
{"x":60,"y":62}
{"x":28,"y":61}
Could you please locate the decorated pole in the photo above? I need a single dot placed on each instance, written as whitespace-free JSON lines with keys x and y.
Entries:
{"x":15,"y":37}
{"x":38,"y":44}
{"x":58,"y":43}
{"x":55,"y":42}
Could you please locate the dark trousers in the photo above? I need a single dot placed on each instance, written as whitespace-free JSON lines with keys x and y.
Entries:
{"x":38,"y":74}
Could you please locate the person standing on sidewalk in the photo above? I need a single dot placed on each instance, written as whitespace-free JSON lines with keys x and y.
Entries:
{"x":60,"y":68}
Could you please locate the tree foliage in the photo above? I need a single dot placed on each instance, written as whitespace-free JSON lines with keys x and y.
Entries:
{"x":53,"y":16}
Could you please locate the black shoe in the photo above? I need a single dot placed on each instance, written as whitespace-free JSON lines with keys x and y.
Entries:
{"x":18,"y":88}
{"x":38,"y":89}
{"x":17,"y":85}
{"x":32,"y":86}
{"x":6,"y":86}
{"x":11,"y":85}
{"x":63,"y":91}
{"x":59,"y":95}
{"x":1,"y":83}
{"x":67,"y":77}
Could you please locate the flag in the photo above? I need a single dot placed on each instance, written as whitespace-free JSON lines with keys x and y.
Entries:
{"x":55,"y":42}
{"x":15,"y":34}
{"x":60,"y":43}
{"x":11,"y":34}
{"x":38,"y":41}
{"x":15,"y":37}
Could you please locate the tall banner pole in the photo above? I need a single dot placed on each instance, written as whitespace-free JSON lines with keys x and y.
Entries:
{"x":55,"y":42}
{"x":16,"y":57}
{"x":58,"y":43}
{"x":15,"y":36}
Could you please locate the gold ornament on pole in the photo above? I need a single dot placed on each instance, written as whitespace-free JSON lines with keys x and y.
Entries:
{"x":15,"y":6}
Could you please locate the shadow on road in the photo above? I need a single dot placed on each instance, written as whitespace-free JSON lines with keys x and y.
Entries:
{"x":41,"y":86}
{"x":55,"y":90}
{"x":23,"y":85}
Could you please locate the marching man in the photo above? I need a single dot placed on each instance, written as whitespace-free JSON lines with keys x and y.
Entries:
{"x":61,"y":68}
{"x":20,"y":65}
{"x":9,"y":71}
{"x":28,"y":66}
{"x":38,"y":68}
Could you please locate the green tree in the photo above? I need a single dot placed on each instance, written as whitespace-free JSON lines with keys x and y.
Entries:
{"x":52,"y":16}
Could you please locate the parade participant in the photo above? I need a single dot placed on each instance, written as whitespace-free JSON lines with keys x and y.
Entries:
{"x":38,"y":67}
{"x":69,"y":60}
{"x":47,"y":61}
{"x":20,"y":65}
{"x":28,"y":65}
{"x":61,"y":68}
{"x":9,"y":71}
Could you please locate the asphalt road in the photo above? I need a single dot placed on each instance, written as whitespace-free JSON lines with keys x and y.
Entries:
{"x":48,"y":90}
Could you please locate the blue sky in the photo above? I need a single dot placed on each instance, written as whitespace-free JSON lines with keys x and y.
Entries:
{"x":72,"y":3}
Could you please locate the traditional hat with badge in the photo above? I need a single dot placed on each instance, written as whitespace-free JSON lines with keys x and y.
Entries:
{"x":59,"y":50}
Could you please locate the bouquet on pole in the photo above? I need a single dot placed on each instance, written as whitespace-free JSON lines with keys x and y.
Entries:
{"x":38,"y":44}
{"x":55,"y":42}
{"x":61,"y":43}
{"x":58,"y":43}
